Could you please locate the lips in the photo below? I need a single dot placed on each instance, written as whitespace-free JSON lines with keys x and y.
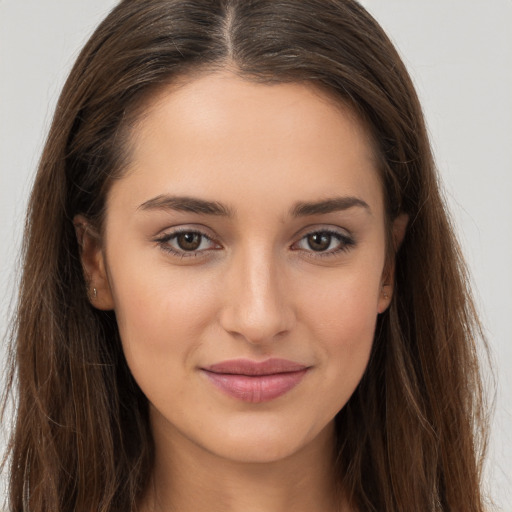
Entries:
{"x":253,"y":381}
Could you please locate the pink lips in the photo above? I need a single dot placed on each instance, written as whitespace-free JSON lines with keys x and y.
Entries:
{"x":255,"y":382}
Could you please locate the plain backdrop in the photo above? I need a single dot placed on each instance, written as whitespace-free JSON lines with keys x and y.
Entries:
{"x":459,"y":54}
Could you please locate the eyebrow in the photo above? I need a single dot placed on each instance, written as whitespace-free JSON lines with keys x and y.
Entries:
{"x":204,"y":207}
{"x":335,"y":204}
{"x":186,"y":204}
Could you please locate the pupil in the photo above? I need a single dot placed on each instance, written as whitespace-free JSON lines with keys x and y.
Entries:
{"x":319,"y":241}
{"x":189,"y":241}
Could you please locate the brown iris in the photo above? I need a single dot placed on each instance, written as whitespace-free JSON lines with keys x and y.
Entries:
{"x":319,"y":241}
{"x":189,"y":241}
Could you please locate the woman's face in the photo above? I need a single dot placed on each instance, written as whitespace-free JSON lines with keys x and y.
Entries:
{"x":244,"y":257}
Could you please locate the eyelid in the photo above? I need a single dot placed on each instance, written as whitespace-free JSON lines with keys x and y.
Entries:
{"x":322,"y":228}
{"x":346,"y":239}
{"x":164,"y":238}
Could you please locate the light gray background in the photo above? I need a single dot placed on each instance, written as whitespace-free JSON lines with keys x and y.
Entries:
{"x":460,"y":56}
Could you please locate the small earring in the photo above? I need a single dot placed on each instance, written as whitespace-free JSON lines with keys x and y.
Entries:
{"x":94,"y":293}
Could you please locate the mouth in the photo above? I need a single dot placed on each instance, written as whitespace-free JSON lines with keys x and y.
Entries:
{"x":253,"y":381}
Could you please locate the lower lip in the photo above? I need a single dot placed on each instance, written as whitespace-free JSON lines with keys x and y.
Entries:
{"x":257,"y":388}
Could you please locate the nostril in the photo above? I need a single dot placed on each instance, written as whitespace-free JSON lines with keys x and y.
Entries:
{"x":257,"y":323}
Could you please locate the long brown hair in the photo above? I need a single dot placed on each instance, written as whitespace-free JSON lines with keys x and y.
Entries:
{"x":411,"y":437}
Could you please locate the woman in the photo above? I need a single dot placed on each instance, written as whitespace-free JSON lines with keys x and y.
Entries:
{"x":241,"y":290}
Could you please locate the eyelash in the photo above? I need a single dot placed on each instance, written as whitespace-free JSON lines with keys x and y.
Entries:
{"x":164,"y":240}
{"x":346,"y":243}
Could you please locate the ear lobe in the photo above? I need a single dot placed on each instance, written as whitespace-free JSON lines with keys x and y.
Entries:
{"x":93,"y":264}
{"x":398,"y":231}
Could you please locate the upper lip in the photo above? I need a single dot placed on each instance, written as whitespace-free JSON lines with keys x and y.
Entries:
{"x":250,"y":367}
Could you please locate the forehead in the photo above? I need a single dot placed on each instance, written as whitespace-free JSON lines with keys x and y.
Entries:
{"x":221,"y":137}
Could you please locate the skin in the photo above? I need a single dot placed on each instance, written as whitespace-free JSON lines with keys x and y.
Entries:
{"x":253,"y":289}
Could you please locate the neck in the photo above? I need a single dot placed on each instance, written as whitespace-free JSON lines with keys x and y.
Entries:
{"x":187,"y":478}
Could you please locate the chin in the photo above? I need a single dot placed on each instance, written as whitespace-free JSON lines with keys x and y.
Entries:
{"x":267,"y":444}
{"x":259,"y":451}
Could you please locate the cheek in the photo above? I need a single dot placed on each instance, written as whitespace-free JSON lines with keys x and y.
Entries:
{"x":161,"y":315}
{"x":342,"y":317}
{"x":346,"y":299}
{"x":347,"y":323}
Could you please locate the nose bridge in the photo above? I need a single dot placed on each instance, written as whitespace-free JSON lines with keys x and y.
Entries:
{"x":257,"y":308}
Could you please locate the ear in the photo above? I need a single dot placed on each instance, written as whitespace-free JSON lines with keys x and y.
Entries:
{"x":93,"y":263}
{"x":398,"y":230}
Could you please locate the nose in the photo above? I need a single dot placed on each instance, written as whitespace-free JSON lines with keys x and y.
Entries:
{"x":257,"y":303}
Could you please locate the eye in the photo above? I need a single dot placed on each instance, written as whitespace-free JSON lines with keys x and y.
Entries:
{"x":185,"y":243}
{"x":324,"y":242}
